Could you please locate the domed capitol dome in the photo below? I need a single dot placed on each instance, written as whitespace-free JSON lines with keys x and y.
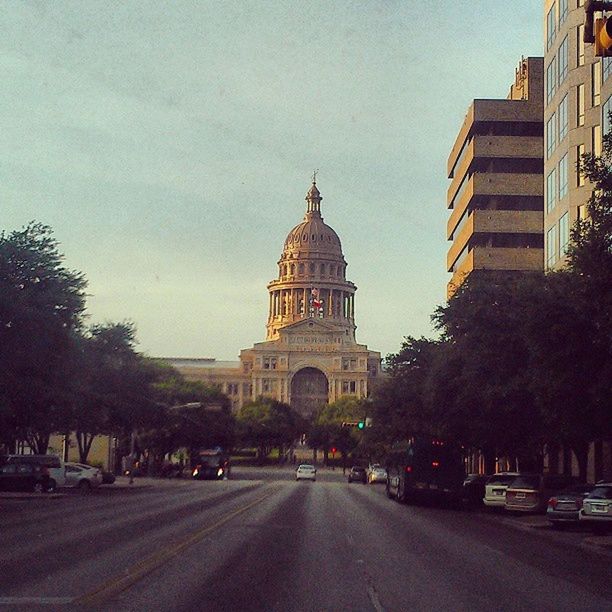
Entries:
{"x":311,"y":275}
{"x":310,"y":356}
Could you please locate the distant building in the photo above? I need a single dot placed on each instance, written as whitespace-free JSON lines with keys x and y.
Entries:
{"x":310,"y":356}
{"x":496,"y":193}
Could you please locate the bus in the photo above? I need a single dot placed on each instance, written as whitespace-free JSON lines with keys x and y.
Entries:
{"x":425,"y":468}
{"x":210,"y":464}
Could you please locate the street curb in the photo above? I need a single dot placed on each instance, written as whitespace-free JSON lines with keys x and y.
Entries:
{"x":16,"y":495}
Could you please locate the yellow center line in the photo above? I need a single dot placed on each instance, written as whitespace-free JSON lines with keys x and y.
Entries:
{"x":120,"y":583}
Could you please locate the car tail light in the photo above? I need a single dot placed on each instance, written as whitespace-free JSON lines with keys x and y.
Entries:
{"x":552,"y":502}
{"x":435,"y":464}
{"x":408,"y":469}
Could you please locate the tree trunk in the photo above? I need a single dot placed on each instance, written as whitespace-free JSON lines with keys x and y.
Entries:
{"x":581,"y":450}
{"x":84,"y":441}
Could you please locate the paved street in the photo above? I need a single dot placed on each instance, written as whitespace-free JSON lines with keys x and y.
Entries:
{"x":262,"y":541}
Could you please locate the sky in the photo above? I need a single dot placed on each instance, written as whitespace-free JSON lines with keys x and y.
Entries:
{"x":170,"y":146}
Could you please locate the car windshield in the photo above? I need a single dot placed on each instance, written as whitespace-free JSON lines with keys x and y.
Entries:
{"x":501,"y":479}
{"x":306,"y":467}
{"x":601,"y":492}
{"x":526,"y":482}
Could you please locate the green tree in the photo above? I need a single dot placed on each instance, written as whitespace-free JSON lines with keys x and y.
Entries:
{"x":267,"y":423}
{"x":41,"y":308}
{"x":481,"y":388}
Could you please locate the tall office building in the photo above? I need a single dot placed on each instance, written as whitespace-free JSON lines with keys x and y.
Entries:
{"x":577,"y":101}
{"x":496,"y":193}
{"x":576,"y":105}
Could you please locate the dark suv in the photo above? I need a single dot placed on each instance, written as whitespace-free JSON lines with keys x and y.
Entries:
{"x":17,"y":476}
{"x":357,"y":474}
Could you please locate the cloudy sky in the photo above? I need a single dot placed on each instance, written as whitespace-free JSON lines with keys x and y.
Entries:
{"x":170,"y":146}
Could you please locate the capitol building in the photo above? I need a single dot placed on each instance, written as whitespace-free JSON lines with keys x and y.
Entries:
{"x":310,"y":356}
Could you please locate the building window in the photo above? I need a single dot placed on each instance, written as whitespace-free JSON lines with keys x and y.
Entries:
{"x":580,"y":46}
{"x":269,"y":363}
{"x":563,"y":119}
{"x":596,"y":140}
{"x":349,"y":364}
{"x":300,"y":269}
{"x":551,"y":192}
{"x":563,"y":177}
{"x":267,"y":385}
{"x":563,"y":10}
{"x":551,"y":136}
{"x":551,"y":246}
{"x":551,"y":26}
{"x":551,"y":80}
{"x":580,"y":104}
{"x":596,"y":84}
{"x":605,"y":115}
{"x":563,"y":234}
{"x":579,"y":175}
{"x":606,"y":69}
{"x":563,"y":60}
{"x":349,"y":386}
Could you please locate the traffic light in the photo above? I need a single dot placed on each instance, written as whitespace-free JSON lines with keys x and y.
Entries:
{"x":361,"y":425}
{"x":603,"y":37}
{"x":333,"y":450}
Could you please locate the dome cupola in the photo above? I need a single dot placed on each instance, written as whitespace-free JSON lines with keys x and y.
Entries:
{"x":311,"y":275}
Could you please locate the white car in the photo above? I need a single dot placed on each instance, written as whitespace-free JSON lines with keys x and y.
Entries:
{"x":495,"y":489}
{"x":597,"y":508}
{"x":83,"y":477}
{"x":376,"y":473}
{"x":306,"y":472}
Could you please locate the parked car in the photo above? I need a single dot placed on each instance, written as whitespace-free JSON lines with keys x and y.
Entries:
{"x":55,"y":465}
{"x":495,"y":489}
{"x":597,"y":508}
{"x":376,"y":473}
{"x":564,"y":508}
{"x":531,"y":492}
{"x":306,"y":472}
{"x":473,"y":490}
{"x":82,"y":476}
{"x":357,"y":474}
{"x":17,"y":476}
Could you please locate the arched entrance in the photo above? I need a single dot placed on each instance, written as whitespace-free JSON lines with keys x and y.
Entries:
{"x":309,"y":390}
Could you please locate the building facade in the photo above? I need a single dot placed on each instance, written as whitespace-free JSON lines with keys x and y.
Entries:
{"x":577,"y":102}
{"x":495,"y":197}
{"x":310,"y":356}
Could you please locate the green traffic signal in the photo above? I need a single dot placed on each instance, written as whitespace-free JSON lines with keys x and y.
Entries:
{"x":361,"y":424}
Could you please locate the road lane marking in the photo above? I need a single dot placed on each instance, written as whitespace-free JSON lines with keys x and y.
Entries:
{"x":120,"y":583}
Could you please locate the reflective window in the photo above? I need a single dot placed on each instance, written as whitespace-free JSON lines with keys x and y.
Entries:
{"x":551,"y":246}
{"x":563,"y":177}
{"x":563,"y":118}
{"x":551,"y":135}
{"x":580,"y":104}
{"x":563,"y":234}
{"x":563,"y":60}
{"x":551,"y":26}
{"x":551,"y":191}
{"x":551,"y":80}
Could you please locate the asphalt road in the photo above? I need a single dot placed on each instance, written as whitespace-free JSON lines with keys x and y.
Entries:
{"x":262,"y":541}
